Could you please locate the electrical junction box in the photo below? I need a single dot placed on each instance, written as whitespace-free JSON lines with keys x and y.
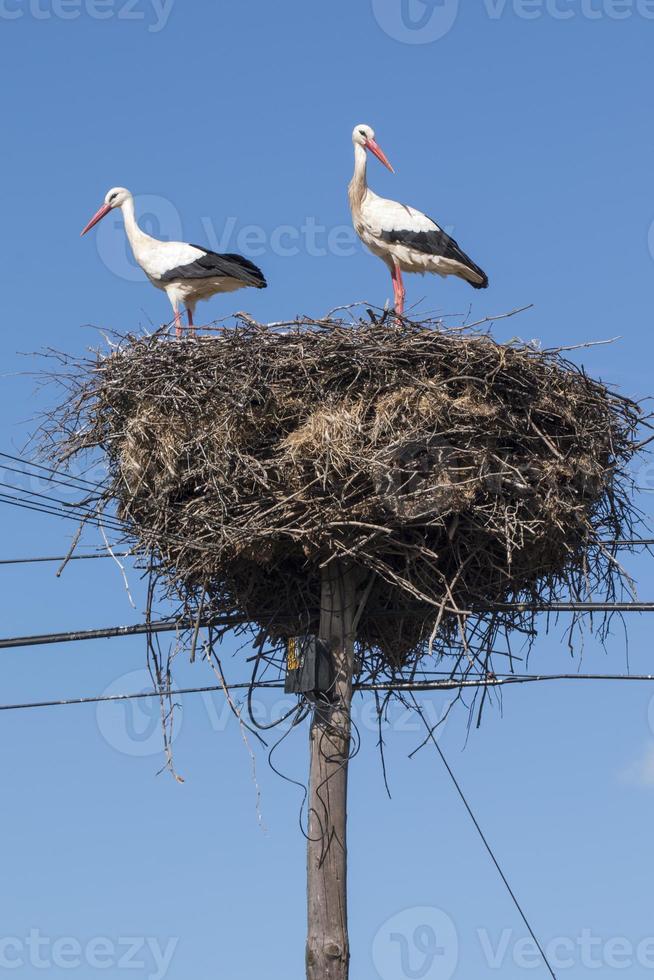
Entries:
{"x":309,"y":667}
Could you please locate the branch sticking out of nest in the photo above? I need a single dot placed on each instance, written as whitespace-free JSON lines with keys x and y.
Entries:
{"x":455,"y":471}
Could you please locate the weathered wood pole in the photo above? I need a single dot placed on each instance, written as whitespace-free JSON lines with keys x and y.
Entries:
{"x":328,"y":948}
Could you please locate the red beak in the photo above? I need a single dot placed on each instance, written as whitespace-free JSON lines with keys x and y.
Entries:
{"x":379,"y":153}
{"x":98,"y":216}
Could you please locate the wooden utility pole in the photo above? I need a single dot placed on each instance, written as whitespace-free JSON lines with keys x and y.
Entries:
{"x":328,"y":948}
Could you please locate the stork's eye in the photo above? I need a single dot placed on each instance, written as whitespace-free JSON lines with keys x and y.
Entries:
{"x":113,"y":196}
{"x":362,"y":132}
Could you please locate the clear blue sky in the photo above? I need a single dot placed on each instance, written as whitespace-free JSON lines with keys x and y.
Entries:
{"x":526,"y":128}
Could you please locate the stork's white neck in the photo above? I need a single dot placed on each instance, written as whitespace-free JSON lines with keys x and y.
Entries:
{"x":137,"y":237}
{"x":358,"y":184}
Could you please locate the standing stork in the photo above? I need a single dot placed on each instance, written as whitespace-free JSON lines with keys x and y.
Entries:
{"x":406,"y":239}
{"x":187,"y":273}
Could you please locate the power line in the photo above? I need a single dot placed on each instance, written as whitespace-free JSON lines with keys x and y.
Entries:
{"x":51,"y":478}
{"x":535,"y":607}
{"x":557,"y":607}
{"x":168,"y":626}
{"x":62,"y":508}
{"x":489,"y":848}
{"x":60,"y":558}
{"x":71,"y":513}
{"x":635,"y":542}
{"x":413,"y":687}
{"x":48,"y":469}
{"x":75,"y":636}
{"x":55,"y":477}
{"x":76,"y":512}
{"x":267,"y":685}
{"x":497,"y":680}
{"x":629,"y":543}
{"x":56,"y":505}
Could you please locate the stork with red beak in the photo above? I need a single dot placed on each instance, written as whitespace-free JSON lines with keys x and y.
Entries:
{"x":405,"y":239}
{"x":187,"y":273}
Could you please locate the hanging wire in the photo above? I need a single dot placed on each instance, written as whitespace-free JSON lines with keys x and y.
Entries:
{"x":485,"y":842}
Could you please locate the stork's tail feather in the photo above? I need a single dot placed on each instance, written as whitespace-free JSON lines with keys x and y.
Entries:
{"x":477,"y":278}
{"x":473,"y":274}
{"x":250,"y":273}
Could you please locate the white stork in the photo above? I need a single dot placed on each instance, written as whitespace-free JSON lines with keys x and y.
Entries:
{"x":188,"y":273}
{"x":406,"y":239}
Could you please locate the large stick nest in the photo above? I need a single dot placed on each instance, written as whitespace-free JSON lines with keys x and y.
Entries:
{"x":458,"y":473}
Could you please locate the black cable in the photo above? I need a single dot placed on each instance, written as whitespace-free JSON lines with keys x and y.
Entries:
{"x":77,"y":513}
{"x":49,"y":478}
{"x":557,"y":607}
{"x":82,"y":506}
{"x":49,"y":512}
{"x":266,"y":685}
{"x":627,"y":543}
{"x":60,"y":558}
{"x":93,"y":518}
{"x":64,"y":505}
{"x":496,"y":680}
{"x":489,"y":849}
{"x":48,"y":469}
{"x":279,"y":685}
{"x":71,"y":513}
{"x":160,"y":626}
{"x":119,"y":525}
{"x":533,"y":607}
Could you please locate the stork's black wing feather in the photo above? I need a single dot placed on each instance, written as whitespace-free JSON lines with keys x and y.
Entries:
{"x":436,"y":242}
{"x":211,"y":265}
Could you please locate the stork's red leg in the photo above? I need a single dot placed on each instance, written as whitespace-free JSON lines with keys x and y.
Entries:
{"x":394,"y":286}
{"x":178,"y":324}
{"x":191,"y":325}
{"x":398,"y":289}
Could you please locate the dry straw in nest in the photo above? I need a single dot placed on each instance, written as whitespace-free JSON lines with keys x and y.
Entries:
{"x":458,"y":473}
